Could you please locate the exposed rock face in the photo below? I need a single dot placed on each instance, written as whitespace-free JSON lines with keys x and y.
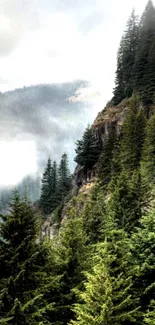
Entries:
{"x":112,"y":116}
{"x":49,"y":229}
{"x":79,"y":202}
{"x":87,"y":187}
{"x":82,"y":177}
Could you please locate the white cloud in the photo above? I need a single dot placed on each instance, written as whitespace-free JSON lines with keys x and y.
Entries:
{"x":43,"y":41}
{"x":18,"y":159}
{"x":47,"y":43}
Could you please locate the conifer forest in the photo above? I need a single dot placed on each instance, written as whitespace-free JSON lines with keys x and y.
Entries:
{"x":84,"y":252}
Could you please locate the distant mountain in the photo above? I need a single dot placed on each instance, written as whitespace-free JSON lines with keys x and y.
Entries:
{"x":45,"y":114}
{"x":54,"y":116}
{"x":29,"y":186}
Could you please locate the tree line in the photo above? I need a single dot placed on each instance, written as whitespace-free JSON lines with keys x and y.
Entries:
{"x":55,"y":184}
{"x":135,"y":59}
{"x":100,"y":267}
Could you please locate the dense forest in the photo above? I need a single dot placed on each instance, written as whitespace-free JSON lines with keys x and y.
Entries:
{"x":99,"y":267}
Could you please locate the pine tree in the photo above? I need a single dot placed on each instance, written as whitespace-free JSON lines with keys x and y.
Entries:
{"x":144,"y":76}
{"x":131,"y":40}
{"x":23,"y":259}
{"x":126,"y":59}
{"x":71,"y":259}
{"x":148,"y":165}
{"x":94,"y":215}
{"x":125,"y":201}
{"x":64,"y":178}
{"x":119,"y":93}
{"x":143,"y":248}
{"x":148,"y":155}
{"x":132,"y":137}
{"x":88,"y":150}
{"x":105,"y":162}
{"x":106,"y":298}
{"x":54,"y":185}
{"x":149,"y":318}
{"x":46,"y":189}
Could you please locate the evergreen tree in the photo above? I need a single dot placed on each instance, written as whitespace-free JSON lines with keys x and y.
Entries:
{"x":149,"y":91}
{"x":94,"y":215}
{"x":23,"y":258}
{"x":126,"y":59}
{"x":132,"y":137}
{"x":119,"y":80}
{"x":71,"y":259}
{"x":148,"y":155}
{"x":144,"y":63}
{"x":46,"y":189}
{"x":88,"y":150}
{"x":105,"y":163}
{"x":54,"y":185}
{"x":149,"y":318}
{"x":143,"y":248}
{"x":107,"y":296}
{"x":64,"y":178}
{"x":125,"y":201}
{"x":131,"y":40}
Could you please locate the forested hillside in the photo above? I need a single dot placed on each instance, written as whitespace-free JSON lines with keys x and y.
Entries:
{"x":99,"y":266}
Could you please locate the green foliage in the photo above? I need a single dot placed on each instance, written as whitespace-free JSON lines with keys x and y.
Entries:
{"x":105,"y":163}
{"x":132,"y":137}
{"x":148,"y":155}
{"x":94,"y":214}
{"x":106,"y":298}
{"x":126,"y":59}
{"x":99,"y":269}
{"x":125,"y":201}
{"x":143,"y":247}
{"x":87,"y":150}
{"x":45,"y":198}
{"x":56,"y":183}
{"x":150,"y":315}
{"x":64,"y":178}
{"x":23,"y":281}
{"x":71,"y":259}
{"x":144,"y":63}
{"x":135,"y":59}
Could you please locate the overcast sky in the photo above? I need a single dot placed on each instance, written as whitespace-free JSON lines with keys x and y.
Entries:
{"x":46,"y":41}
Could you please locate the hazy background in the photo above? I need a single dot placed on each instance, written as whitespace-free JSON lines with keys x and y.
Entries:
{"x":71,"y":44}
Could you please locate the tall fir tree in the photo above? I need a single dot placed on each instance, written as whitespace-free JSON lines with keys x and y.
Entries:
{"x":106,"y":298}
{"x":148,"y":154}
{"x":23,"y":258}
{"x":64,"y":178}
{"x":88,"y":150}
{"x":54,"y":186}
{"x":144,"y":73}
{"x":94,"y":215}
{"x":126,"y":59}
{"x":125,"y":203}
{"x":143,"y":251}
{"x":132,"y":136}
{"x":105,"y":162}
{"x":71,"y":260}
{"x":46,"y":189}
{"x":149,"y":318}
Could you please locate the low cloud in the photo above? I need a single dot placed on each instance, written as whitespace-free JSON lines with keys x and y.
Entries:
{"x":17,"y":17}
{"x":47,"y":116}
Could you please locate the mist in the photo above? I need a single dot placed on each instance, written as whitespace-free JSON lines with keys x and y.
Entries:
{"x":58,"y":60}
{"x":42,"y":121}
